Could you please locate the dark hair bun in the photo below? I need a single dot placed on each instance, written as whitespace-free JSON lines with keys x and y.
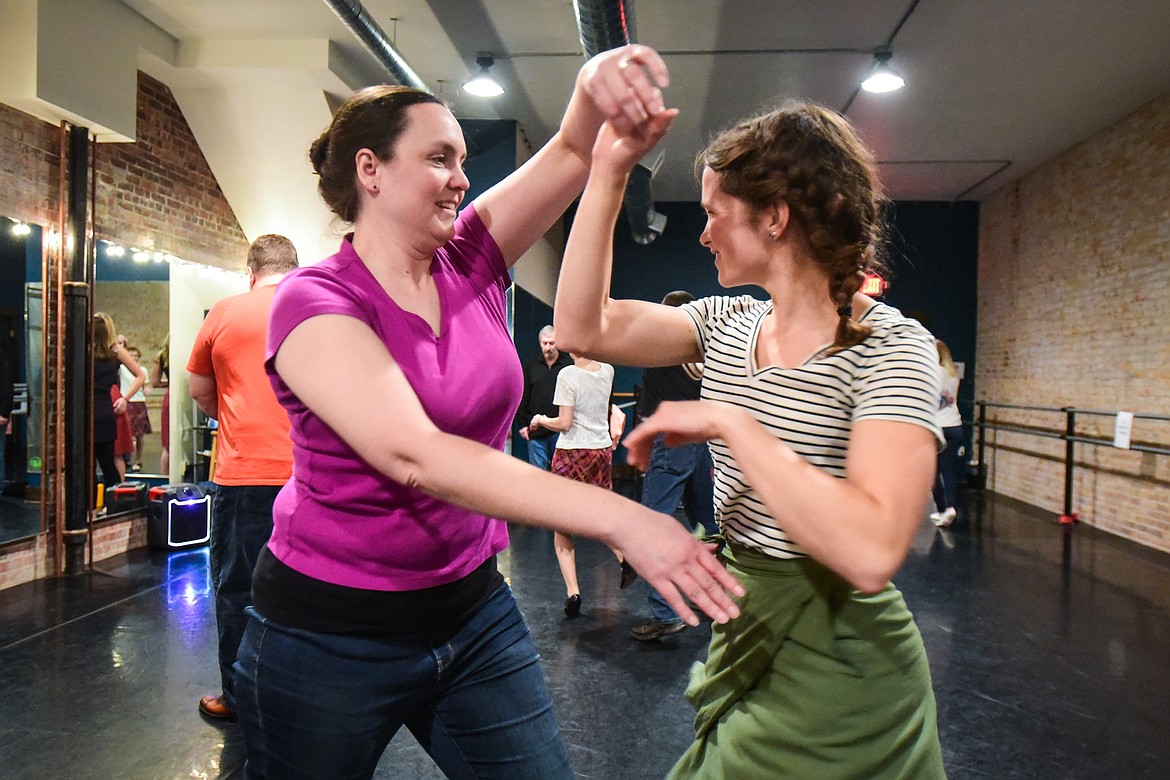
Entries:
{"x":318,"y":151}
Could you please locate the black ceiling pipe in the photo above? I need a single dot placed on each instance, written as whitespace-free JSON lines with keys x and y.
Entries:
{"x":604,"y":25}
{"x":374,"y":38}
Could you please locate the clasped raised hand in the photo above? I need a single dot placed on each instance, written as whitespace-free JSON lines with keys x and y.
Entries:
{"x":626,"y":85}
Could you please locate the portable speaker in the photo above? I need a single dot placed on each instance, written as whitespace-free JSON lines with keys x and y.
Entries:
{"x":179,"y":517}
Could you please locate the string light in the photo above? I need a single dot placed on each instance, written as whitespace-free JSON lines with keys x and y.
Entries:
{"x":138,"y":255}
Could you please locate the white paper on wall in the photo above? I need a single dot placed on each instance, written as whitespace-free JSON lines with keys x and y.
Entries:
{"x":1122,"y":429}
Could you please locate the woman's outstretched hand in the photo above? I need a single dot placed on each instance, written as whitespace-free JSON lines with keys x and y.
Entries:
{"x":678,"y":422}
{"x":679,"y":567}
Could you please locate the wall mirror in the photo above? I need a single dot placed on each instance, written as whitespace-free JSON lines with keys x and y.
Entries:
{"x":194,"y":289}
{"x":158,"y":301}
{"x":133,"y":287}
{"x":150,"y":296}
{"x":20,"y":348}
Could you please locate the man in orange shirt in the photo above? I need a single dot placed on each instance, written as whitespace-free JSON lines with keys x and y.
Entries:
{"x":254,"y":452}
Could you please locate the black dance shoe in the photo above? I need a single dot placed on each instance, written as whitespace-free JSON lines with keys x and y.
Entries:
{"x":573,"y":605}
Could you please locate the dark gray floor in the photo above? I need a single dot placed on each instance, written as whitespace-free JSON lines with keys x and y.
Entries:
{"x":1048,"y":648}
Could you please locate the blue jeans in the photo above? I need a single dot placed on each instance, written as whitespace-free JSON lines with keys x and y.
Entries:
{"x":316,"y":705}
{"x":679,"y":473}
{"x":947,"y":479}
{"x":540,"y":452}
{"x":241,"y":522}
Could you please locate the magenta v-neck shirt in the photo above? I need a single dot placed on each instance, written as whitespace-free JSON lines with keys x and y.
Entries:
{"x":340,"y":520}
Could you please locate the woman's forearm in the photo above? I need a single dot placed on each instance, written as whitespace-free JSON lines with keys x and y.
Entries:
{"x":552,"y":423}
{"x":861,"y":534}
{"x":583,"y":287}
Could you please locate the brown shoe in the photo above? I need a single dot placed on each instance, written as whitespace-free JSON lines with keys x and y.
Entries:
{"x":214,"y":707}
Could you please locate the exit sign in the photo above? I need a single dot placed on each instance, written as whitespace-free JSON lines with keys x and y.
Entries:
{"x":873,"y":286}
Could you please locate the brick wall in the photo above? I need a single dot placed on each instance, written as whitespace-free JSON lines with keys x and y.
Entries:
{"x":114,"y":537}
{"x":157,"y":191}
{"x":1074,"y":288}
{"x":28,"y":167}
{"x":26,"y":560}
{"x":160,"y":191}
{"x":30,"y":559}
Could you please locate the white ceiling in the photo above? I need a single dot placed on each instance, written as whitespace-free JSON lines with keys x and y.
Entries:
{"x":994,"y":87}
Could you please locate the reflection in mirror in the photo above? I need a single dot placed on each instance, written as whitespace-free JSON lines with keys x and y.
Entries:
{"x":194,"y":290}
{"x":133,"y":288}
{"x":20,"y":355}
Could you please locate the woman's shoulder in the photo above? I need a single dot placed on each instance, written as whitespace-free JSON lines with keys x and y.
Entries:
{"x":341,"y":275}
{"x":896,"y":343}
{"x":722,"y":308}
{"x":889,"y":324}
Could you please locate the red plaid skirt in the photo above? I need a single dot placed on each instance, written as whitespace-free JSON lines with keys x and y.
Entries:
{"x":124,"y":443}
{"x":139,"y":418}
{"x":594,"y":467}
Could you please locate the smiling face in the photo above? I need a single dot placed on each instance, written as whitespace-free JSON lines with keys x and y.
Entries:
{"x":422,"y":185}
{"x":733,"y":234}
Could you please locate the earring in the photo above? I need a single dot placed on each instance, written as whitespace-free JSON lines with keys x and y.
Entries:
{"x":772,"y":234}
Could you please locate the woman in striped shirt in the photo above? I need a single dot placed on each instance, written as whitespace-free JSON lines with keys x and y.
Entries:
{"x":819,"y":406}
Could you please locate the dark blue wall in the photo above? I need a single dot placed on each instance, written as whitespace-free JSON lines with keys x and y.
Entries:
{"x":12,"y":269}
{"x":933,"y":258}
{"x":20,"y":262}
{"x":529,"y":315}
{"x":491,"y":153}
{"x":934,"y":255}
{"x":112,"y":268}
{"x":675,"y":261}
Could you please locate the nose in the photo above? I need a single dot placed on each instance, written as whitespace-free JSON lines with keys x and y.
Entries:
{"x":705,"y":237}
{"x":459,"y":180}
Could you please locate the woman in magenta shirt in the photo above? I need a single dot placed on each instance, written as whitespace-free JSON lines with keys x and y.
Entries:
{"x":377,"y":602}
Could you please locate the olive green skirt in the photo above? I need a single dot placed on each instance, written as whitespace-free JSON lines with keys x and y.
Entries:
{"x":813,"y":680}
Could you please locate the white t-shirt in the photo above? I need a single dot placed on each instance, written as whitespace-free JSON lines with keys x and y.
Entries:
{"x":588,"y":393}
{"x":125,"y":379}
{"x":948,"y":414}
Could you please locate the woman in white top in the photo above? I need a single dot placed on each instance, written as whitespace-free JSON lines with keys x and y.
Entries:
{"x":590,"y":428}
{"x":952,"y":427}
{"x":135,"y":407}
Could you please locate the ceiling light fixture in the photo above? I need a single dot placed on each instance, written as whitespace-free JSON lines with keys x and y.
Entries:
{"x":482,"y":84}
{"x":883,"y":78}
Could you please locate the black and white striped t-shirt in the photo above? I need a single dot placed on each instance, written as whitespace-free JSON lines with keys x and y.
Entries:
{"x":891,"y":375}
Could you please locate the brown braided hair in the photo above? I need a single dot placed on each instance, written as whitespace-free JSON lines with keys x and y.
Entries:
{"x":372,"y":118}
{"x":811,"y":158}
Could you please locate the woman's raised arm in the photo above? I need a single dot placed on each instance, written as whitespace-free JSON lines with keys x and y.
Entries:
{"x":587,"y":320}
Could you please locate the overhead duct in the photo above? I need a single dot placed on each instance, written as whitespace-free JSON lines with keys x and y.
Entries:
{"x":374,"y":38}
{"x":604,"y":25}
